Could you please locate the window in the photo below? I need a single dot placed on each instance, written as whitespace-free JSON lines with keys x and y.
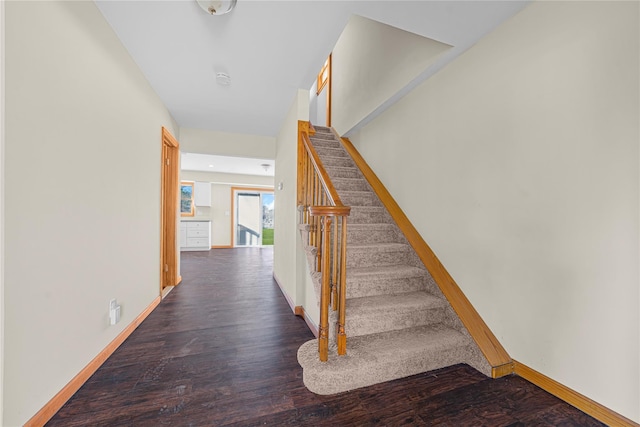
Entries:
{"x":186,"y":199}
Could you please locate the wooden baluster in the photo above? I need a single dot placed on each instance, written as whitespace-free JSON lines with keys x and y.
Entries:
{"x":305,"y":187}
{"x":312,"y":220}
{"x":319,"y":238}
{"x":323,"y":335}
{"x":342,"y":313}
{"x":334,"y":269}
{"x":304,"y":184}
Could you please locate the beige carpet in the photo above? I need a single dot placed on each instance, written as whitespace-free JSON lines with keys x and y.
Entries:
{"x":398,"y":321}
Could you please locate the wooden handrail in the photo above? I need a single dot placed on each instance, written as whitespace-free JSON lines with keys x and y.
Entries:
{"x":326,"y":218}
{"x":496,"y":355}
{"x":327,"y":185}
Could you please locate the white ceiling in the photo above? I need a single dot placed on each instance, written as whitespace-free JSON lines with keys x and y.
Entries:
{"x":269,"y":48}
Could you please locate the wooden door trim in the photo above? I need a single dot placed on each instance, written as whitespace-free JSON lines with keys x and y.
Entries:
{"x":572,"y":397}
{"x":329,"y":85}
{"x":169,"y":183}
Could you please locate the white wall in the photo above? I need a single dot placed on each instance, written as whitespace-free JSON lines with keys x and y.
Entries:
{"x":82,"y":176}
{"x":519,"y":165}
{"x":318,"y":104}
{"x":226,"y":144}
{"x":220,"y":211}
{"x":313,"y":102}
{"x":2,"y":26}
{"x":368,"y":67}
{"x":287,"y":245}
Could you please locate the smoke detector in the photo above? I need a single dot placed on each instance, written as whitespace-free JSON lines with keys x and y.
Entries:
{"x":223,"y":79}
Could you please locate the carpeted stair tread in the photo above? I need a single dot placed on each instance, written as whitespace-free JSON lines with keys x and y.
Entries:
{"x":359,"y":198}
{"x":367,"y":214}
{"x":376,"y":358}
{"x":381,"y":313}
{"x":342,"y":172}
{"x":325,"y":143}
{"x":372,"y":234}
{"x":384,"y":247}
{"x":378,"y":304}
{"x":331,"y":152}
{"x":389,"y":271}
{"x":350,"y":184}
{"x":389,"y":279}
{"x":376,"y":254}
{"x":330,"y":161}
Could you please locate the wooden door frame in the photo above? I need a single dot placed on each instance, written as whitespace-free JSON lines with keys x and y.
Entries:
{"x":170,"y":186}
{"x":322,"y":82}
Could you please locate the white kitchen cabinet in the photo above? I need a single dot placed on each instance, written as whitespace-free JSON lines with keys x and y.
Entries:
{"x":195,"y":235}
{"x":202,"y":193}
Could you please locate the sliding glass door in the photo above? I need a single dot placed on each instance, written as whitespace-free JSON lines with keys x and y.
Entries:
{"x":253,"y":217}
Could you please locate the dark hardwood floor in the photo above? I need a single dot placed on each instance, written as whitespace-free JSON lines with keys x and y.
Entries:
{"x":220,"y":350}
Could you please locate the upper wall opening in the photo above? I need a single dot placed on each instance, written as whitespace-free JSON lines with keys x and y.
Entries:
{"x":372,"y":62}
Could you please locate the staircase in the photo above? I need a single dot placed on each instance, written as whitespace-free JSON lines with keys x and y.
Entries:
{"x":398,"y":323}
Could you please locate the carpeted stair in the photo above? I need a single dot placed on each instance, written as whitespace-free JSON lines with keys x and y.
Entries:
{"x":398,"y":322}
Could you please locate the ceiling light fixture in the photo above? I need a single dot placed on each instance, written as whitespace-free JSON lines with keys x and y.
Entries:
{"x":217,"y":7}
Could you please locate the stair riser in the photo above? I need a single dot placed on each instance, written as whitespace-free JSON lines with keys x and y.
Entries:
{"x":375,"y":215}
{"x":359,"y":199}
{"x":331,"y":152}
{"x":327,"y":382}
{"x":336,"y":173}
{"x":325,"y":143}
{"x":361,"y":287}
{"x":344,"y":162}
{"x":371,"y":258}
{"x":372,"y":235}
{"x":357,"y":184}
{"x":358,"y":325}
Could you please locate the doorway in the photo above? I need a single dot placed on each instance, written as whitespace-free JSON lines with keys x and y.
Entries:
{"x":253,"y":215}
{"x":320,"y":97}
{"x":169,"y":211}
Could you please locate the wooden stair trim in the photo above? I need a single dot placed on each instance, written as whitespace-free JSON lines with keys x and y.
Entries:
{"x":58,"y":401}
{"x":495,"y":354}
{"x":572,"y":397}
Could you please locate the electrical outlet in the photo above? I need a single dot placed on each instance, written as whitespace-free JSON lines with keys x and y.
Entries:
{"x":114,"y":312}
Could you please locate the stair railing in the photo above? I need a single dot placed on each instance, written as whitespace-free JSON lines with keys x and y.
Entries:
{"x":326,"y":218}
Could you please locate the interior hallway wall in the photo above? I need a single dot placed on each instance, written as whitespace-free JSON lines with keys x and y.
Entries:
{"x":519,"y":165}
{"x":289,"y":264}
{"x":82,"y":176}
{"x":204,"y":141}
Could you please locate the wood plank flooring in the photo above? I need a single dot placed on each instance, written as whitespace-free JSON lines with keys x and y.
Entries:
{"x":220,"y":350}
